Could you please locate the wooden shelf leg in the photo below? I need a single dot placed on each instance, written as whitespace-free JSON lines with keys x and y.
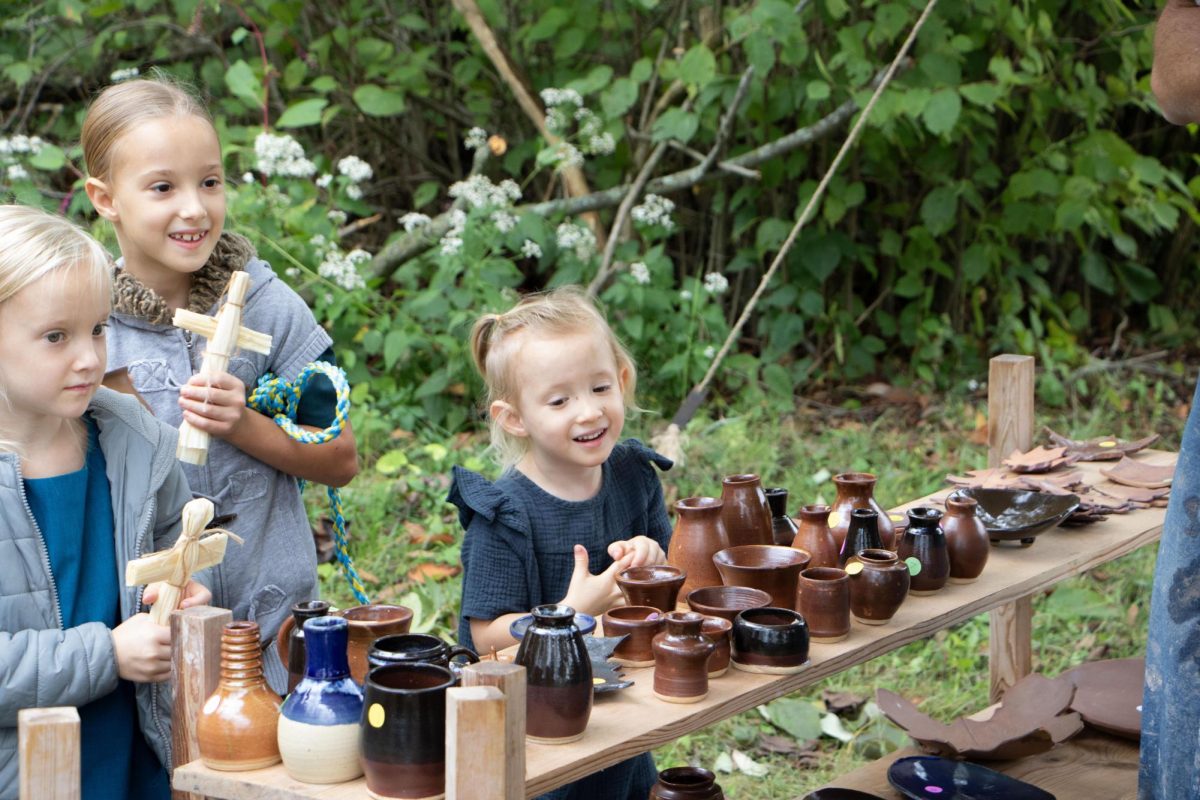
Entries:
{"x":48,"y":753}
{"x":476,"y":748}
{"x":195,"y":670}
{"x":510,"y":680}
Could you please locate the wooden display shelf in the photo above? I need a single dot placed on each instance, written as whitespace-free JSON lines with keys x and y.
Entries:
{"x":632,"y":721}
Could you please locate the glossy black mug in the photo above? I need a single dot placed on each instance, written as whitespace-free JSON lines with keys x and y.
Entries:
{"x":418,"y":648}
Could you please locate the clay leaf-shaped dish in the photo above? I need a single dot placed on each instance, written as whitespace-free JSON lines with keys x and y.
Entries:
{"x":1104,"y":448}
{"x":1017,"y":514}
{"x":1136,"y":473}
{"x":1108,"y":695}
{"x":935,"y":778}
{"x":1039,"y":459}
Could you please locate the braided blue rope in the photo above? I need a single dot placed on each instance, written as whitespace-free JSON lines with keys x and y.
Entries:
{"x":280,"y":399}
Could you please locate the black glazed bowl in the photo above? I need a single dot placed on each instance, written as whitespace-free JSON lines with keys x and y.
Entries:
{"x":770,"y":637}
{"x":937,"y":778}
{"x":1018,"y":514}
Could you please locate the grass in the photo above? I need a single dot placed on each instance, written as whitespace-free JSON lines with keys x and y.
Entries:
{"x":405,"y":536}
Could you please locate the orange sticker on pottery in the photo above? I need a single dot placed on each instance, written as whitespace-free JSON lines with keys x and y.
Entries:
{"x":853,"y":567}
{"x":375,"y":715}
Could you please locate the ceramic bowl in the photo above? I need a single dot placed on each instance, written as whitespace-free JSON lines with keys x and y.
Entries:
{"x":726,"y":601}
{"x":771,"y":640}
{"x":1020,"y":515}
{"x":585,"y":622}
{"x":655,"y":585}
{"x":937,"y":778}
{"x":771,"y":568}
{"x":638,"y":626}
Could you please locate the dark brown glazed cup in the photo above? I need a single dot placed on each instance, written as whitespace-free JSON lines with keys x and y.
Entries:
{"x":878,"y":590}
{"x":368,"y":623}
{"x":717,"y":630}
{"x":639,"y":625}
{"x":773,"y":569}
{"x":770,"y":640}
{"x":656,"y":586}
{"x":726,"y":601}
{"x":404,"y":730}
{"x":825,"y":603}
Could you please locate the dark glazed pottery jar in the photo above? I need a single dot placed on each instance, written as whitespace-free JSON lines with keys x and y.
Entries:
{"x":745,"y":514}
{"x":783,"y":528}
{"x":878,"y":585}
{"x":825,"y":603}
{"x":404,"y":730}
{"x":639,"y":625}
{"x":368,"y":623}
{"x":237,"y":726}
{"x":770,"y":640}
{"x":773,"y":569}
{"x":319,"y":721}
{"x":966,"y":538}
{"x":814,"y":536}
{"x":686,"y":783}
{"x":923,"y":540}
{"x":681,"y":659}
{"x":699,"y":533}
{"x":863,"y":534}
{"x":654,"y":585}
{"x":418,"y":648}
{"x":857,"y":490}
{"x":558,"y":676}
{"x":291,"y":638}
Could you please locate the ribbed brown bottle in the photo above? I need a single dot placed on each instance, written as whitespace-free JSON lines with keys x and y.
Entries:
{"x":237,"y":726}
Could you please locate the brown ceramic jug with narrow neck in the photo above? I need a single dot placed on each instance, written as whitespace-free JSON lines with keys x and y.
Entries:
{"x":857,"y":490}
{"x":237,"y":725}
{"x":966,"y":538}
{"x":813,"y":535}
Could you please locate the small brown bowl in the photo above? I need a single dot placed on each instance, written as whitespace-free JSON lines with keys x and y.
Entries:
{"x":774,"y":569}
{"x":726,"y":601}
{"x":717,"y":630}
{"x":638,"y":624}
{"x":655,"y":585}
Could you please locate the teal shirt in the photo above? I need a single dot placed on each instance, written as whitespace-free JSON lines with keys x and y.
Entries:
{"x":74,"y":513}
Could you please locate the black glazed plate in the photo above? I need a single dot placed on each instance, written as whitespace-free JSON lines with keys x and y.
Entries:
{"x":585,"y":622}
{"x":1019,"y":514}
{"x":607,"y":676}
{"x":937,"y":778}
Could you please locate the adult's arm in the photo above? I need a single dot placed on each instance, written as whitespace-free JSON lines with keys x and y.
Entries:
{"x":1175,"y":76}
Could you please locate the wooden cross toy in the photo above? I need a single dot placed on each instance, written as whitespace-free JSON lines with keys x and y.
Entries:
{"x":175,"y":566}
{"x":225,"y":334}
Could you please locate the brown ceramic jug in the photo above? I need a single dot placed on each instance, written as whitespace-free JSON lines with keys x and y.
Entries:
{"x":814,"y":536}
{"x":699,"y":534}
{"x":966,"y":538}
{"x":857,"y":490}
{"x":923,"y":540}
{"x":681,"y":659}
{"x":825,"y":603}
{"x":686,"y":783}
{"x":878,"y":585}
{"x":237,"y":725}
{"x":745,"y":514}
{"x":783,"y":527}
{"x":290,"y":640}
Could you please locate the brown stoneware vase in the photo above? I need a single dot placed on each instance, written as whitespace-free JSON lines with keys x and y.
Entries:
{"x":924,"y":540}
{"x":291,"y":638}
{"x":814,"y":536}
{"x":655,"y":585}
{"x":770,"y":640}
{"x":783,"y":527}
{"x":639,"y":625}
{"x":745,"y":514}
{"x":857,"y":490}
{"x":681,"y":655}
{"x":686,"y":783}
{"x":699,"y":533}
{"x":825,"y":603}
{"x":966,"y":538}
{"x":404,"y":730}
{"x":717,"y":630}
{"x":368,"y":623}
{"x":773,"y":569}
{"x":862,"y":534}
{"x":558,"y":676}
{"x":237,"y":725}
{"x":726,"y":601}
{"x":878,"y":585}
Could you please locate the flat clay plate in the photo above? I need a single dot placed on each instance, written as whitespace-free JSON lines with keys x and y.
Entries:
{"x":937,"y":778}
{"x":1136,"y":473}
{"x":1108,"y":695}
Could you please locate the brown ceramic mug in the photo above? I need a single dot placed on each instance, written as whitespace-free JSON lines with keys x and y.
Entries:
{"x":824,"y":602}
{"x":639,"y":625}
{"x":368,"y":623}
{"x":655,"y":585}
{"x":717,"y":630}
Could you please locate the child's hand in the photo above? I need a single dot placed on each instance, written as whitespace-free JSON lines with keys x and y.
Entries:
{"x":143,"y":650}
{"x":644,"y":551}
{"x":194,"y":594}
{"x":594,"y":594}
{"x":215,"y":404}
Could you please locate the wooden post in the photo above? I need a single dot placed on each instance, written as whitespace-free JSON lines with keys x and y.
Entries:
{"x":195,"y":670}
{"x":476,"y":745}
{"x":1010,"y":427}
{"x":510,"y":680}
{"x":48,"y":753}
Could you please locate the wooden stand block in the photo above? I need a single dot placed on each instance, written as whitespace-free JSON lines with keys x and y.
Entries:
{"x":48,"y":753}
{"x":476,"y":761}
{"x":510,"y":680}
{"x":195,"y":670}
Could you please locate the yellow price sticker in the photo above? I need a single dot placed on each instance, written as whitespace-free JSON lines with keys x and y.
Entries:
{"x":376,"y":715}
{"x":854,"y":567}
{"x":1108,"y":444}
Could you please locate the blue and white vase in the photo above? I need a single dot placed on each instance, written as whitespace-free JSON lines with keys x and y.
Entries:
{"x":319,"y":721}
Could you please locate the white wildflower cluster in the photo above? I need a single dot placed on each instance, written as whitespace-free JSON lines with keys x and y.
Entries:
{"x":602,"y":144}
{"x":336,"y":216}
{"x":552,"y":97}
{"x":21,"y":145}
{"x":475,"y":138}
{"x":282,"y":155}
{"x":685,"y":294}
{"x":17,"y":173}
{"x":478,"y":191}
{"x":247,"y":177}
{"x":339,"y":267}
{"x":504,"y":221}
{"x":354,"y":191}
{"x":324,"y":181}
{"x":355,"y":169}
{"x":129,"y":73}
{"x":575,"y":238}
{"x":531,"y":249}
{"x":639,"y":272}
{"x":715,"y":283}
{"x":709,"y":352}
{"x":452,"y":242}
{"x":413,"y":220}
{"x":654,"y":210}
{"x":567,"y":155}
{"x":567,"y":117}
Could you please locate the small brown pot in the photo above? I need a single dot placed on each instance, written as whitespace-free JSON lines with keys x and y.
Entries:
{"x":698,"y":535}
{"x":655,"y":585}
{"x":966,"y":538}
{"x":238,"y":723}
{"x":717,"y":631}
{"x":639,"y":625}
{"x":686,"y":783}
{"x":813,"y":535}
{"x":857,"y":490}
{"x":745,"y":513}
{"x":877,"y":589}
{"x":681,"y":655}
{"x":773,"y":569}
{"x":825,"y":603}
{"x":368,"y":623}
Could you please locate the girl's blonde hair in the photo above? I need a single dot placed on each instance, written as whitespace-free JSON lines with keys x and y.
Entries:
{"x":35,"y":244}
{"x":494,"y":343}
{"x":123,"y":106}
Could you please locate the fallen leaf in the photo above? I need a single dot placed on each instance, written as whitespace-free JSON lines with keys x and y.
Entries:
{"x":723,"y":763}
{"x":979,"y":436}
{"x":1131,"y":615}
{"x":842,"y":703}
{"x":400,"y":433}
{"x":748,"y":766}
{"x":431,"y":571}
{"x":369,"y":577}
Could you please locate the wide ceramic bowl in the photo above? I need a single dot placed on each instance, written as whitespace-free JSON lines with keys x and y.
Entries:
{"x":585,"y":622}
{"x":1018,"y":514}
{"x":770,"y":640}
{"x":726,"y":601}
{"x":773,"y":569}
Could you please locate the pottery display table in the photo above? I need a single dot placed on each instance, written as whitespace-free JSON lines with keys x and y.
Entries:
{"x":633,"y":721}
